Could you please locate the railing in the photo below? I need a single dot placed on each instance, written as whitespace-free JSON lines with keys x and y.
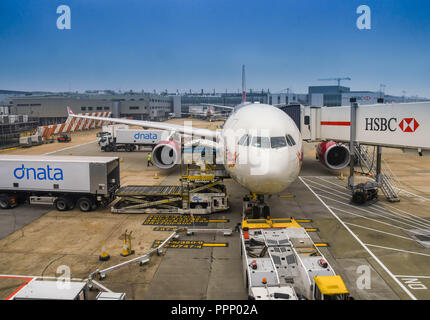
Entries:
{"x":388,"y":181}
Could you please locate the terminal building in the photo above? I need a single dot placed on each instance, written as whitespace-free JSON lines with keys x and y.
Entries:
{"x":52,"y":108}
{"x":333,"y":96}
{"x":186,"y":100}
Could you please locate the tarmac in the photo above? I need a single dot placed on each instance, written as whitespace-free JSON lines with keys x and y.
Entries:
{"x":381,"y":251}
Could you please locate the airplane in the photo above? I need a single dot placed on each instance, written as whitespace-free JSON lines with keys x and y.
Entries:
{"x":208,"y":113}
{"x":259,"y":145}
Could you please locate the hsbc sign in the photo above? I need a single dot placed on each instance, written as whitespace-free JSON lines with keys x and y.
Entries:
{"x":391,"y":124}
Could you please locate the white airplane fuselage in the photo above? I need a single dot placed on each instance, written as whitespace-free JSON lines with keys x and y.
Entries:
{"x":260,"y":167}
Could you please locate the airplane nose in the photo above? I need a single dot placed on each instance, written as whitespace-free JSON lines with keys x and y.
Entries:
{"x":277,"y":170}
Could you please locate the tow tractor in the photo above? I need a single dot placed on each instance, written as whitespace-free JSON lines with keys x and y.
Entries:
{"x":281,"y":262}
{"x":200,"y":191}
{"x":64,"y":137}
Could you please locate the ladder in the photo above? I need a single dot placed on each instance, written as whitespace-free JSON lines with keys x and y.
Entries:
{"x":387,"y":180}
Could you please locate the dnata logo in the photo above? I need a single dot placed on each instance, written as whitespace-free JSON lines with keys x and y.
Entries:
{"x":47,"y":173}
{"x":196,"y":199}
{"x":145,"y":136}
{"x":384,"y":124}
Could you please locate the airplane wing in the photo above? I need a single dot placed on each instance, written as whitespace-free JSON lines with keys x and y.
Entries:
{"x":151,"y":124}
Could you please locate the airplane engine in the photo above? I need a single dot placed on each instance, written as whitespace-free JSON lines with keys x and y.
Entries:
{"x":333,"y":155}
{"x":166,"y":154}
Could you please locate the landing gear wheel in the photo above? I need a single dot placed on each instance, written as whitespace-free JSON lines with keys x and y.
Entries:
{"x":61,"y":204}
{"x":255,"y":212}
{"x":85,"y":204}
{"x":266,"y":212}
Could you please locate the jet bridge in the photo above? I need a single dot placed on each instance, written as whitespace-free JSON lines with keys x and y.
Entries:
{"x":399,"y":125}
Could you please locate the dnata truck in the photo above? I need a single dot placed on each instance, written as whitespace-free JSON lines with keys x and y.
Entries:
{"x":65,"y":182}
{"x":115,"y":139}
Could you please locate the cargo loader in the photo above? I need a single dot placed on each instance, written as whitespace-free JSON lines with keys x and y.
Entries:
{"x":200,"y":191}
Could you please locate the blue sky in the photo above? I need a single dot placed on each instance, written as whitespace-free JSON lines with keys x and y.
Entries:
{"x":201,"y":44}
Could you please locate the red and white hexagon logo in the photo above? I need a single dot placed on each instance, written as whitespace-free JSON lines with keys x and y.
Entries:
{"x":409,"y":125}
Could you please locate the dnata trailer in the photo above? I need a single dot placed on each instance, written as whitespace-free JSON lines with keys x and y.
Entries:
{"x":128,"y":139}
{"x":62,"y":181}
{"x":281,"y":261}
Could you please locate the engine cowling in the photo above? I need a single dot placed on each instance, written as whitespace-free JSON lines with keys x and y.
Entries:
{"x":166,"y":154}
{"x":333,"y":155}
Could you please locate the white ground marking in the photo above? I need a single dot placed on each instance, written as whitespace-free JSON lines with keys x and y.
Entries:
{"x":362,"y":244}
{"x":410,"y":214}
{"x":379,"y":208}
{"x":413,"y":194}
{"x":376,"y":230}
{"x":364,"y":217}
{"x":395,"y":249}
{"x":376,"y":214}
{"x":79,"y":145}
{"x":408,"y":276}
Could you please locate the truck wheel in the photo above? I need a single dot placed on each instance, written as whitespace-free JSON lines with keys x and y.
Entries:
{"x":108,"y":149}
{"x":61,"y":204}
{"x":4,"y":202}
{"x":85,"y":204}
{"x":129,"y":148}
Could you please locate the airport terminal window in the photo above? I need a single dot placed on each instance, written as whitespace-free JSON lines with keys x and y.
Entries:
{"x":99,"y":108}
{"x":83,"y":108}
{"x":260,"y":142}
{"x":244,"y":141}
{"x":290,"y":140}
{"x":106,"y":108}
{"x":90,"y":108}
{"x":278,"y":142}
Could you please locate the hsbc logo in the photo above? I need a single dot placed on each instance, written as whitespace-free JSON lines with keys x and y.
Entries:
{"x":409,"y":125}
{"x":390,"y":124}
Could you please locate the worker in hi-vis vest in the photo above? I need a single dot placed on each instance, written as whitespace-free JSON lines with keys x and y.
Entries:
{"x":149,"y":160}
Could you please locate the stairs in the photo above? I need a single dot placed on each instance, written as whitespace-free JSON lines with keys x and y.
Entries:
{"x":388,"y":182}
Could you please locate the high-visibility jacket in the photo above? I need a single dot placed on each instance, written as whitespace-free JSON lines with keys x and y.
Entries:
{"x":149,"y":157}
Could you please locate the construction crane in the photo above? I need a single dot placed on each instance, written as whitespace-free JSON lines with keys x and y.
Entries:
{"x":335,"y":79}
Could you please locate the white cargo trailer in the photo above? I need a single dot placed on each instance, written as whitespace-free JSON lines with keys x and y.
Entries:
{"x":59,"y":180}
{"x":128,"y":139}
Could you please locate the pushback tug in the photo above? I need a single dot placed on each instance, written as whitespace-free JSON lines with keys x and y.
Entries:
{"x":281,"y":261}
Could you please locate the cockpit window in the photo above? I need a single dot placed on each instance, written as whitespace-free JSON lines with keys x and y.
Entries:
{"x":278,"y":142}
{"x":290,"y":140}
{"x":244,"y":140}
{"x":260,"y":142}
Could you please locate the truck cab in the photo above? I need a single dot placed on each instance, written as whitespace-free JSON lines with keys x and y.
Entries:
{"x":330,"y":288}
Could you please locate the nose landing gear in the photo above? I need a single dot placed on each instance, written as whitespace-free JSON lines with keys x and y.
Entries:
{"x":254,"y":207}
